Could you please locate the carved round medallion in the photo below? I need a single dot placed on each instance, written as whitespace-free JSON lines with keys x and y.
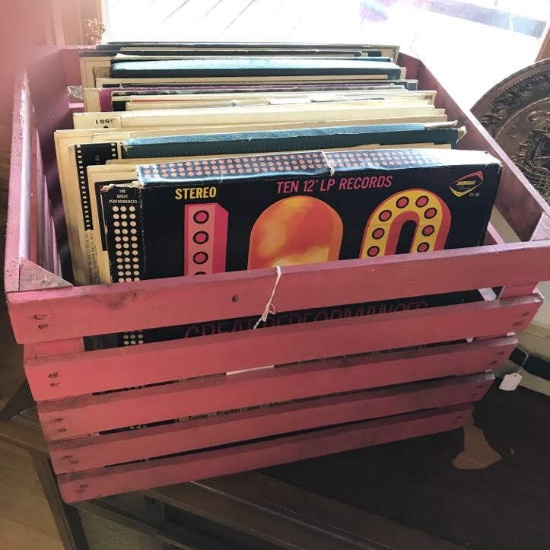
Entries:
{"x":516,"y":112}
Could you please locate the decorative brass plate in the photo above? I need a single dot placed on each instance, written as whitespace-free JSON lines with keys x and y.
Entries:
{"x":516,"y":112}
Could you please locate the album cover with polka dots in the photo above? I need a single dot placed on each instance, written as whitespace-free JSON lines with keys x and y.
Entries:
{"x":204,"y":216}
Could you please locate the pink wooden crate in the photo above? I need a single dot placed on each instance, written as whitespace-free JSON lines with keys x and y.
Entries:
{"x":89,"y":400}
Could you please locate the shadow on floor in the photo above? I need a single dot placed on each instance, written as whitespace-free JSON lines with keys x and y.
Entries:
{"x":503,"y":507}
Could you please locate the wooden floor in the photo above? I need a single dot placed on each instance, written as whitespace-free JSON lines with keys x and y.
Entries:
{"x":26,"y":522}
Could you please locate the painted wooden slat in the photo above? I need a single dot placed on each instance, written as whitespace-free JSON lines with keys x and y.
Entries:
{"x":46,"y":225}
{"x":544,"y":47}
{"x":102,"y":450}
{"x":542,"y":230}
{"x":518,"y":290}
{"x":44,"y":222}
{"x":59,"y":347}
{"x":35,"y":199}
{"x":58,"y":268}
{"x":71,"y":63}
{"x":157,"y":473}
{"x":104,"y":370}
{"x":49,"y":238}
{"x":20,"y":180}
{"x":493,"y":236}
{"x":67,"y":418}
{"x":103,"y":309}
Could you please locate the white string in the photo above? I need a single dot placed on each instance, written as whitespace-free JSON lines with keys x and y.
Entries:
{"x":270,"y":306}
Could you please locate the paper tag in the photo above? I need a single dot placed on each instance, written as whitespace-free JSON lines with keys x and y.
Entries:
{"x":510,"y":381}
{"x":107,"y":122}
{"x":249,"y":370}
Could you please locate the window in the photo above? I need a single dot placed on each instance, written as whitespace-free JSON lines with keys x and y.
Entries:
{"x":470,"y":46}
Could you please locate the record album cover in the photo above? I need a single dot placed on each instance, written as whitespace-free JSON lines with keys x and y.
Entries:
{"x":214,"y":215}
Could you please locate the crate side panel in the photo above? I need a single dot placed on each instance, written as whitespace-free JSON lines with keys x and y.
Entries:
{"x":52,"y":112}
{"x":143,"y":475}
{"x":517,"y":199}
{"x":32,"y":275}
{"x":128,"y":446}
{"x":104,"y":370}
{"x":103,"y":309}
{"x":51,"y":106}
{"x":71,"y":64}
